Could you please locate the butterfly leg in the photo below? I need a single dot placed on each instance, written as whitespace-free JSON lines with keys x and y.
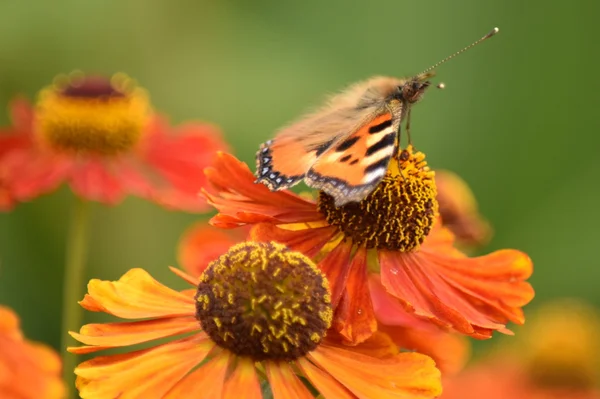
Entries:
{"x":408,"y":126}
{"x":398,"y":153}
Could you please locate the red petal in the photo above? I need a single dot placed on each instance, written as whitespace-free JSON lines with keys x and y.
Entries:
{"x":388,"y":310}
{"x":28,"y":172}
{"x":178,"y":156}
{"x":21,"y":113}
{"x":309,"y":241}
{"x":471,"y":295}
{"x":336,"y":266}
{"x":354,"y":317}
{"x":94,"y":181}
{"x":233,"y":192}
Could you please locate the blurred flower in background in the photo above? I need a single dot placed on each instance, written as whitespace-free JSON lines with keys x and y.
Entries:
{"x":102,"y":137}
{"x":260,"y":312}
{"x":556,"y":355}
{"x":417,"y":266}
{"x":28,"y":370}
{"x":458,"y":210}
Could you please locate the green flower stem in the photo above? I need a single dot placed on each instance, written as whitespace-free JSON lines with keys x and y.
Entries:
{"x":77,"y":242}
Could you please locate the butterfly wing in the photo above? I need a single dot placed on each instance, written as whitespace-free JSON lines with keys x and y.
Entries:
{"x":284,"y":161}
{"x":299,"y":148}
{"x":352,"y":168}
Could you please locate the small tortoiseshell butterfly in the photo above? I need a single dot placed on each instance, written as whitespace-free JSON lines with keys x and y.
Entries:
{"x":344,"y":148}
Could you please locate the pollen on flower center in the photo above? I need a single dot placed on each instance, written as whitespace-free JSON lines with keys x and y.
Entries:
{"x":398,"y":214}
{"x":91,"y":115}
{"x":264,"y":301}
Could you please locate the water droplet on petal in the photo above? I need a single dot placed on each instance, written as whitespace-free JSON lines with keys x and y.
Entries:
{"x":394,"y":271}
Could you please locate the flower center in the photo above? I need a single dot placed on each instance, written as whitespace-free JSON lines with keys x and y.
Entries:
{"x":398,"y":214}
{"x":92,"y":115}
{"x":264,"y":301}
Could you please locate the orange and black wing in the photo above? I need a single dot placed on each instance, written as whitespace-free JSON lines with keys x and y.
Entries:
{"x":352,"y":168}
{"x":283,"y":162}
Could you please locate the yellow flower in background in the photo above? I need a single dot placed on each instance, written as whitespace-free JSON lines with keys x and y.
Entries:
{"x":555,"y":356}
{"x":28,"y":370}
{"x":260,"y":312}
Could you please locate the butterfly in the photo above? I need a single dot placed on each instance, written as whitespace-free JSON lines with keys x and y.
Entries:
{"x":345,"y":147}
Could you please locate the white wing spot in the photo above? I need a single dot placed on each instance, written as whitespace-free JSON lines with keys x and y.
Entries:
{"x":373,"y":176}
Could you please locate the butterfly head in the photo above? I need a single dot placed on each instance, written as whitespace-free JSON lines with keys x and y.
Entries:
{"x":412,"y":91}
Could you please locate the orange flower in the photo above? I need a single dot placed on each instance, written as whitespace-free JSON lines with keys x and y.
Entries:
{"x":393,"y":234}
{"x":102,"y":137}
{"x":203,"y":243}
{"x":28,"y":370}
{"x":556,"y":356}
{"x":458,"y":210}
{"x":260,"y":312}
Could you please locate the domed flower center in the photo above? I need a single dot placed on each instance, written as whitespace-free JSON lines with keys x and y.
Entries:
{"x":264,"y":301}
{"x":398,"y":214}
{"x":92,"y":115}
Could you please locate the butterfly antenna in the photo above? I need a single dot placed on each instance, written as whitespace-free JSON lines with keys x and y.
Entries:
{"x":492,"y":33}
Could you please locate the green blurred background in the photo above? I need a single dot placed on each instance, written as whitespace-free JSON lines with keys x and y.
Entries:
{"x":518,"y":119}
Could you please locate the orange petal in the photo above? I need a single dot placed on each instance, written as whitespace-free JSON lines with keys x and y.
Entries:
{"x":243,"y":379}
{"x":186,"y":277}
{"x":308,"y":241}
{"x":201,"y":244}
{"x":206,"y":382}
{"x":379,"y":345}
{"x":284,"y":383}
{"x":336,"y":266}
{"x":137,"y":295}
{"x":354,"y":317}
{"x":240,"y":201}
{"x":9,"y":323}
{"x":327,"y":386}
{"x":110,"y":335}
{"x":28,"y":370}
{"x":148,"y":373}
{"x":450,"y":351}
{"x":472,"y":295}
{"x":406,"y":375}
